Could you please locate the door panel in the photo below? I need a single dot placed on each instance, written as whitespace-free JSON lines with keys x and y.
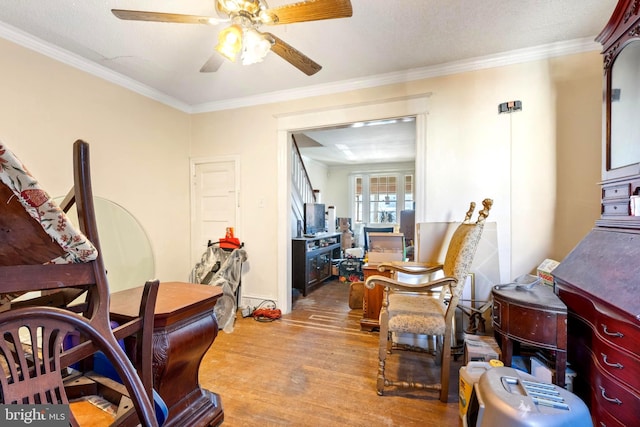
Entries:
{"x":215,"y":202}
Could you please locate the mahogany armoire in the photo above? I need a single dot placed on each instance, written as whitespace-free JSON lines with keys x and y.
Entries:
{"x":599,"y":280}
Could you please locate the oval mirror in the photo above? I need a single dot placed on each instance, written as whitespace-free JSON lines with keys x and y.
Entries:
{"x":625,"y":108}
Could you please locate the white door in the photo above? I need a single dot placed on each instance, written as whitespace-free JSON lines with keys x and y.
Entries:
{"x":214,"y":202}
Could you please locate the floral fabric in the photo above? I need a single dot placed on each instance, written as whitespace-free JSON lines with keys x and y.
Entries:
{"x":460,"y":253}
{"x":42,"y":209}
{"x":413,"y":314}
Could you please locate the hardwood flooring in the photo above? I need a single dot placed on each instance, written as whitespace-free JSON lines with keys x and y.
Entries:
{"x":315,"y":367}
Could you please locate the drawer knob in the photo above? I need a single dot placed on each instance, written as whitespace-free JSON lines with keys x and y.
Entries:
{"x":611,"y":334}
{"x":609,"y":399}
{"x":613,"y":365}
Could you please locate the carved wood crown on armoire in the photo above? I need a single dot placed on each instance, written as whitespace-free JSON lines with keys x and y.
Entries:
{"x":599,"y":280}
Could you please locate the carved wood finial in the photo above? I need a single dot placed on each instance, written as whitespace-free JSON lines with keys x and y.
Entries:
{"x":472,"y":207}
{"x":484,"y":213}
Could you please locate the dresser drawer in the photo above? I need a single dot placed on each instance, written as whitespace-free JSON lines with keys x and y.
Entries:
{"x":602,"y":418}
{"x":614,"y":398}
{"x":619,"y":333}
{"x":616,"y":191}
{"x":578,"y":304}
{"x":617,"y":363}
{"x":616,"y":207}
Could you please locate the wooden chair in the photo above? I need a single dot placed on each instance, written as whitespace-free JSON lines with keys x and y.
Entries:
{"x":411,"y":308}
{"x":41,"y":250}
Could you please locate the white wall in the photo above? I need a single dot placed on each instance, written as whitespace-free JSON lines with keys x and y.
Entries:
{"x":318,"y":175}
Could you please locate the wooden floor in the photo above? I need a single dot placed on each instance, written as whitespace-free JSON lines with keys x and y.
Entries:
{"x":314,"y":367}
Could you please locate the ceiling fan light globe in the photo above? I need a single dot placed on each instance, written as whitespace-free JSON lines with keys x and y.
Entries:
{"x":254,"y":47}
{"x":230,"y":42}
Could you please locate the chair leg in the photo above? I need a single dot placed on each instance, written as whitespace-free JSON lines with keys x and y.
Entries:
{"x":438,"y":350}
{"x":383,"y":348}
{"x":444,"y":368}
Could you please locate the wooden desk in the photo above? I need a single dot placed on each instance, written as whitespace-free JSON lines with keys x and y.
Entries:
{"x":536,"y":317}
{"x":184,"y":329}
{"x":372,"y":300}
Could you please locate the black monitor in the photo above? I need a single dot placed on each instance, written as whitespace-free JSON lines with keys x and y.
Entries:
{"x":314,"y":218}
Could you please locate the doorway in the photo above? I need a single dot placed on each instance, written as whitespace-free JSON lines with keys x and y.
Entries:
{"x":416,"y":106}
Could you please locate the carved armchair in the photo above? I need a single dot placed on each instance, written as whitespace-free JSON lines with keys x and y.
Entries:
{"x":412,"y":308}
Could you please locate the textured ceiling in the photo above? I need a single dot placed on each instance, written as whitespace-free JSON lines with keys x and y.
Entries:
{"x":383,"y":42}
{"x":381,"y":37}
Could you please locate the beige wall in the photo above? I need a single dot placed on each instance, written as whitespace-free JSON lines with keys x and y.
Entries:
{"x":139,"y":147}
{"x":472,"y":153}
{"x":540,"y":165}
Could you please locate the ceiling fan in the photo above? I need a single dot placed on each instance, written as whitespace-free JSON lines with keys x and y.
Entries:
{"x":241,"y":39}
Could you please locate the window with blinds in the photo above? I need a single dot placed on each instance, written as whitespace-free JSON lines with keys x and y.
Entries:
{"x":379,"y":198}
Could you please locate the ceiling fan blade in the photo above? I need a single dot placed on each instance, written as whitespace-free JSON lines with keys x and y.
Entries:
{"x":310,"y":10}
{"x":293,"y":56}
{"x":138,"y":15}
{"x":212,"y":64}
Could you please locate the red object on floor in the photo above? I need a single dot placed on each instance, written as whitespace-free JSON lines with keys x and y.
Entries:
{"x":267,"y":313}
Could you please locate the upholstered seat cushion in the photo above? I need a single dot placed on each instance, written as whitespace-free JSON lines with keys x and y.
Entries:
{"x":416,"y":314}
{"x":38,"y":204}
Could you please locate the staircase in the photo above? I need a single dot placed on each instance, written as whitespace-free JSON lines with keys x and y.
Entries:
{"x":302,"y":190}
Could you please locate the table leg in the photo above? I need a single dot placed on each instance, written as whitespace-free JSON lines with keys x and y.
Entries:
{"x":561,"y":368}
{"x":178,"y":350}
{"x":507,"y":350}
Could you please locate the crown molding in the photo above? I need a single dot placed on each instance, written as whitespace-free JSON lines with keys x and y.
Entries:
{"x":479,"y":63}
{"x":490,"y":61}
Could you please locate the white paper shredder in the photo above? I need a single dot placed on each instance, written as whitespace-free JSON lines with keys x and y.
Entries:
{"x":508,"y":397}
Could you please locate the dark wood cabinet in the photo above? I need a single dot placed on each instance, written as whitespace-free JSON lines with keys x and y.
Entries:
{"x":621,"y":130}
{"x":311,"y":259}
{"x":536,"y":317}
{"x":599,"y":280}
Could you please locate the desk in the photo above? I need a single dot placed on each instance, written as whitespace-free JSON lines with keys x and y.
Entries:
{"x":536,"y":317}
{"x":371,"y":300}
{"x":184,"y":329}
